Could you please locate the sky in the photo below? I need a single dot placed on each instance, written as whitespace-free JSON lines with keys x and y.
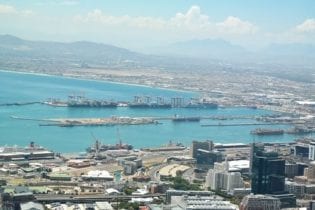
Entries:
{"x":141,"y":24}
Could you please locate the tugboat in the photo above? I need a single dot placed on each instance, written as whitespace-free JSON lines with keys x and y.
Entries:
{"x":299,"y":130}
{"x":99,"y":147}
{"x":264,"y":131}
{"x":202,"y":103}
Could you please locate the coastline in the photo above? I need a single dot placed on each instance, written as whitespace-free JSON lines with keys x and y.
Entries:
{"x":87,"y":78}
{"x":96,"y":80}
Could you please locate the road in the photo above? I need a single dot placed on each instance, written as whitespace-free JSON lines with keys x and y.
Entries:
{"x":50,"y":198}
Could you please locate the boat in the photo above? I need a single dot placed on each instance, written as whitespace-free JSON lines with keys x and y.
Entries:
{"x":186,"y":119}
{"x":202,"y":103}
{"x":105,"y":147}
{"x":141,"y":102}
{"x":265,"y":131}
{"x":81,"y":101}
{"x":161,"y":106}
{"x":207,"y":105}
{"x":299,"y":130}
{"x":31,"y":152}
{"x":92,"y":103}
{"x":138,"y":105}
{"x":99,"y":147}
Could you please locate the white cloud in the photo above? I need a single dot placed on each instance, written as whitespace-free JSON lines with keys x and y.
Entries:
{"x":69,"y":2}
{"x":10,"y":10}
{"x":7,"y":9}
{"x":307,"y":26}
{"x":193,"y":21}
{"x":98,"y":17}
{"x":235,"y":25}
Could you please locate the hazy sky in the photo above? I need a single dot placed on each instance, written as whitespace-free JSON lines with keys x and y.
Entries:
{"x":138,"y":24}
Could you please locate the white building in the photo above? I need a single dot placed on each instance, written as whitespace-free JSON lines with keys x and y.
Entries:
{"x":311,"y":154}
{"x":202,"y":202}
{"x":219,"y":178}
{"x":98,"y":176}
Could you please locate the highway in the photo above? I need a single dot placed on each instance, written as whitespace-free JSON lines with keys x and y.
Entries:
{"x":51,"y":198}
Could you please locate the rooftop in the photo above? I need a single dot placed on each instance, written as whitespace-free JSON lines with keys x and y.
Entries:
{"x":170,"y":170}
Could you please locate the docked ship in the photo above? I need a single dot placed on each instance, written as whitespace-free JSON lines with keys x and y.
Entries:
{"x":264,"y":131}
{"x":300,"y":130}
{"x":202,"y":103}
{"x":55,"y":102}
{"x":80,"y":101}
{"x":99,"y":147}
{"x":150,"y":105}
{"x":31,"y":152}
{"x":168,"y":147}
{"x":146,"y":102}
{"x":141,"y":102}
{"x":185,"y":119}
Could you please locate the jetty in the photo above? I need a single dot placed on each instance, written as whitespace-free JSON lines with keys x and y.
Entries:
{"x":20,"y":103}
{"x":111,"y":121}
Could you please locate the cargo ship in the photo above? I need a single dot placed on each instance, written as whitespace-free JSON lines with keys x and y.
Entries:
{"x":264,"y":131}
{"x":146,"y":102}
{"x":151,"y":105}
{"x":80,"y":101}
{"x":141,"y":102}
{"x":202,"y":103}
{"x":99,"y":147}
{"x":300,"y":130}
{"x":185,"y":119}
{"x":31,"y":152}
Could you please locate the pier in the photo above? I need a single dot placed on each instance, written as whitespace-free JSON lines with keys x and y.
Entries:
{"x":115,"y":120}
{"x":20,"y":103}
{"x":70,"y":122}
{"x":250,"y":124}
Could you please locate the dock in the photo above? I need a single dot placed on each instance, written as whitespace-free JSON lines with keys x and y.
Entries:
{"x":20,"y":103}
{"x":71,"y":122}
{"x":249,"y":124}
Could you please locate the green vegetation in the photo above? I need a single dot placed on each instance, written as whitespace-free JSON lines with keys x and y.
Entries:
{"x":129,"y":190}
{"x":127,"y":205}
{"x":182,"y":184}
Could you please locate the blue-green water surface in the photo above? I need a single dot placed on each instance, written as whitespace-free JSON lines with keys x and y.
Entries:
{"x":18,"y":87}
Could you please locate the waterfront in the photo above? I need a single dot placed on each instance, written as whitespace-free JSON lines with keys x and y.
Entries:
{"x":17,"y":87}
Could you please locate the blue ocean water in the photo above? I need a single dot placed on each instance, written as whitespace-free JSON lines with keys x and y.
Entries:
{"x":19,"y":87}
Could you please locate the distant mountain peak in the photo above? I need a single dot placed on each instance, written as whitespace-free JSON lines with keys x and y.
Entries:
{"x":10,"y":39}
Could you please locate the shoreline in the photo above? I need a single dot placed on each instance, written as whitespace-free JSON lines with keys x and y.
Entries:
{"x":81,"y":78}
{"x":97,"y":80}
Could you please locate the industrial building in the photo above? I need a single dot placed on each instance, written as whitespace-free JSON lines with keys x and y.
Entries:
{"x":98,"y":176}
{"x":202,"y":202}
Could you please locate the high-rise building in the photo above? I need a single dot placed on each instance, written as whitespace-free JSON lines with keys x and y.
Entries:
{"x":219,"y":178}
{"x":311,"y":154}
{"x":206,"y":158}
{"x":267,"y":171}
{"x":259,"y":202}
{"x":204,"y":145}
{"x":310,"y":171}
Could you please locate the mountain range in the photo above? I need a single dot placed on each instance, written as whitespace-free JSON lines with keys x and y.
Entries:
{"x":192,"y":55}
